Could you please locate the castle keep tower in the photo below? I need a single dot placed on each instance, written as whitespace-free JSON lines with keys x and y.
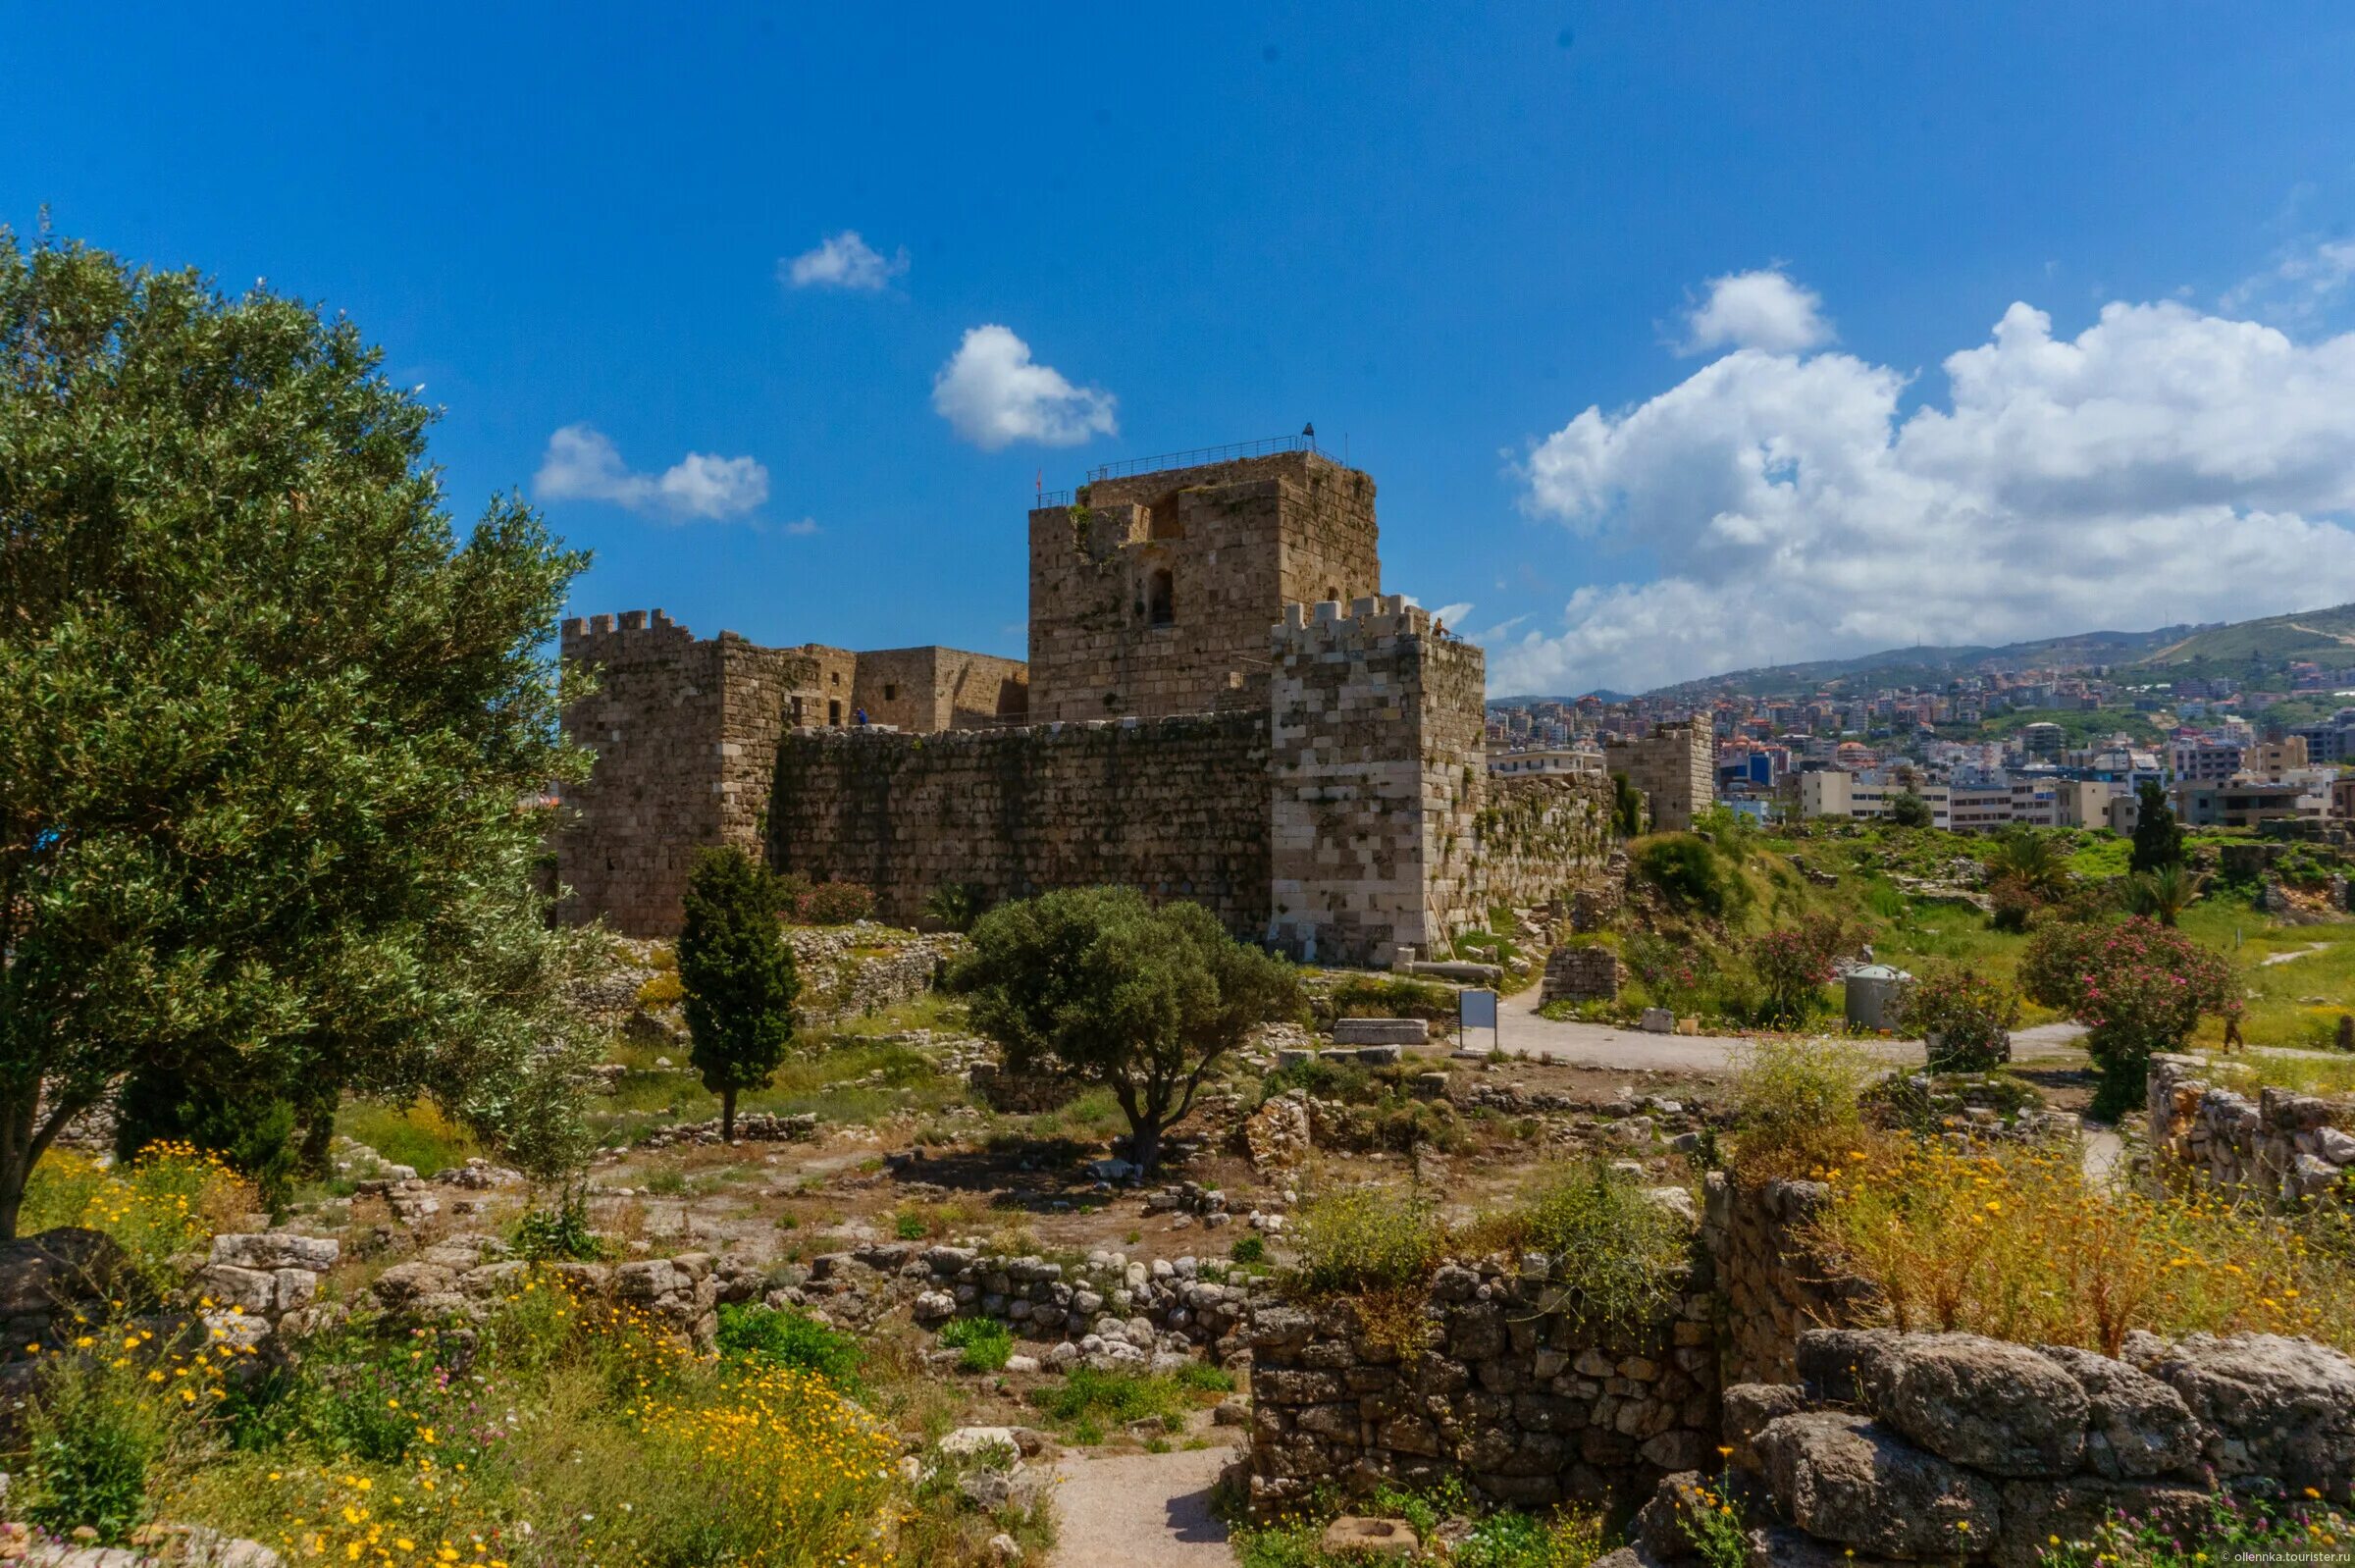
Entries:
{"x":1153,"y":593}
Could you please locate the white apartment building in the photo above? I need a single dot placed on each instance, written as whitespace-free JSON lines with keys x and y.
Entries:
{"x":1553,"y":759}
{"x":1983,"y":806}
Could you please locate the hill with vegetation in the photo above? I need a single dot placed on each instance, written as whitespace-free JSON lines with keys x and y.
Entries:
{"x":2253,"y":653}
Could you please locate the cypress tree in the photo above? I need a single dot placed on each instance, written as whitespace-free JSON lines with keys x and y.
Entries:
{"x":738,"y":975}
{"x":2158,"y":836}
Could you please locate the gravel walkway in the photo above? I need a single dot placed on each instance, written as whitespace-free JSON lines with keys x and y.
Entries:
{"x":1600,"y":1045}
{"x":1139,"y":1510}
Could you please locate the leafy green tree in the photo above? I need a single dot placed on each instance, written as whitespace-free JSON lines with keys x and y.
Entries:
{"x":2158,"y":836}
{"x":275,"y":748}
{"x":738,"y":979}
{"x":1908,"y":810}
{"x":1098,"y":984}
{"x":251,"y":1126}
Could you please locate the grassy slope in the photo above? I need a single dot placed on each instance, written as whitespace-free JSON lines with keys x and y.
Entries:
{"x":2283,"y":1006}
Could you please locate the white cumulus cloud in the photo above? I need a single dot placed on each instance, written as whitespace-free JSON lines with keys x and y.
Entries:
{"x":993,"y":393}
{"x":1762,"y":309}
{"x":843,"y":261}
{"x":2163,"y":465}
{"x":583,"y":464}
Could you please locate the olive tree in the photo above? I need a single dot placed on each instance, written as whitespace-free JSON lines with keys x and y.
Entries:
{"x":275,"y":748}
{"x":1098,"y":985}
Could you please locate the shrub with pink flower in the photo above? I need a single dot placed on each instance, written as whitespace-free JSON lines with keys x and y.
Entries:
{"x":2137,"y":986}
{"x":1965,"y":1016}
{"x":1793,"y":963}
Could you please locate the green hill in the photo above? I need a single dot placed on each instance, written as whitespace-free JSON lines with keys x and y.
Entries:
{"x":2251,"y":648}
{"x":2254,"y":652}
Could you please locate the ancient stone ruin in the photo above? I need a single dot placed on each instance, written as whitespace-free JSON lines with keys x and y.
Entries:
{"x":1221,"y":705}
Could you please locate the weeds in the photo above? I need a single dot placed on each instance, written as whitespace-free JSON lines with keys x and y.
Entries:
{"x":788,"y":1340}
{"x":2014,"y":1244}
{"x":1794,"y":1105}
{"x":986,"y":1343}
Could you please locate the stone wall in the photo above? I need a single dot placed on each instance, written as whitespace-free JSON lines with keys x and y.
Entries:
{"x":684,"y":733}
{"x":1175,"y":807}
{"x":1589,"y":973}
{"x":1154,"y":594}
{"x":1540,"y":839}
{"x":1516,"y":1396}
{"x":1951,"y":1448}
{"x":1775,"y":1285}
{"x":848,"y":971}
{"x":1675,"y":767}
{"x":2283,"y":1148}
{"x":926,"y":689}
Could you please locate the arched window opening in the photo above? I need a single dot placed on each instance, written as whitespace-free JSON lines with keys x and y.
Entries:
{"x":1160,"y":598}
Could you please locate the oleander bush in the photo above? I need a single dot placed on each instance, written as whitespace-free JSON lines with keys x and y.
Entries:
{"x":1970,"y":1011}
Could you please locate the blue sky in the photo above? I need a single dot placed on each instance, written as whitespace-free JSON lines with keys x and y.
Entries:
{"x":1749,"y":238}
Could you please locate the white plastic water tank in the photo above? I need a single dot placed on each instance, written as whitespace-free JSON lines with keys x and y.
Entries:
{"x":1872,"y":989}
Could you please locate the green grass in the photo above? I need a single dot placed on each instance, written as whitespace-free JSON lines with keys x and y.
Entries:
{"x":418,"y":1135}
{"x":2331,"y":1076}
{"x":823,"y":1078}
{"x":986,"y":1343}
{"x":1087,"y":1401}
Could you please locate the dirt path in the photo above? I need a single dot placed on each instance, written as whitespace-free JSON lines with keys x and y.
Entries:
{"x":1139,"y":1510}
{"x":1601,"y":1045}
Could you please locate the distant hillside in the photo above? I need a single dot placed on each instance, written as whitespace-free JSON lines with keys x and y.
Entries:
{"x":2252,"y":652}
{"x":2325,"y":636}
{"x":1926,"y":666}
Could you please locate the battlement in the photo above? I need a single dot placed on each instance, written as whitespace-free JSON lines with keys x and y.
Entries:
{"x":1221,"y":705}
{"x":1370,"y":616}
{"x":586,"y":632}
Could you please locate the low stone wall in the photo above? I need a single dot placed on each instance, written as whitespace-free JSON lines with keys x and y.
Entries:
{"x":1517,"y":1396}
{"x":1776,"y":1287}
{"x":1021,"y":1093}
{"x":1588,"y":974}
{"x":1958,"y":1448}
{"x":2283,"y":1148}
{"x":849,"y":971}
{"x":464,"y":1277}
{"x":1106,"y":1310}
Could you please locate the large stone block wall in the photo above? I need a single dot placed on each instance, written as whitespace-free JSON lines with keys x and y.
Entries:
{"x":1775,"y":1284}
{"x":1237,"y":540}
{"x":1539,"y":839}
{"x":2283,"y":1147}
{"x":1515,"y":1395}
{"x":1175,"y":807}
{"x":685,"y":735}
{"x":1355,"y":785}
{"x":1675,"y":767}
{"x":933,"y":688}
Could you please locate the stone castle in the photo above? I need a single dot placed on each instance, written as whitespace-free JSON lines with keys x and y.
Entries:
{"x":1219,"y":704}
